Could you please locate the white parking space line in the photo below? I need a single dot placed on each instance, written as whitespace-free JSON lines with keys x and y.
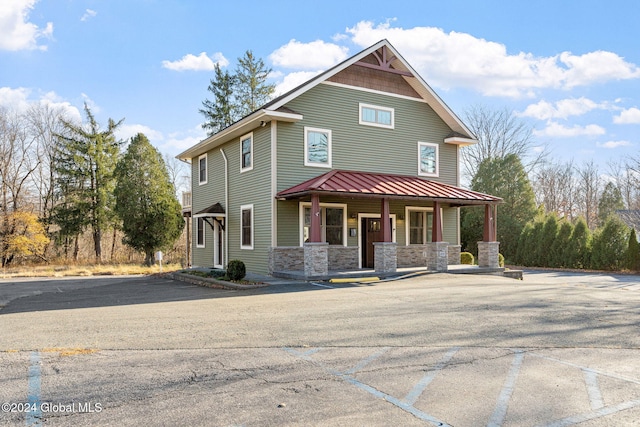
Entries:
{"x":419,"y":388}
{"x":34,"y":415}
{"x":595,"y":397}
{"x":602,"y":412}
{"x":507,"y":390}
{"x":365,"y":362}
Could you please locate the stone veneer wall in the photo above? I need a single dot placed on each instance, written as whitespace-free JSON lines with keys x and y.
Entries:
{"x":343,"y":258}
{"x":286,"y":258}
{"x":412,"y":256}
{"x":454,"y":254}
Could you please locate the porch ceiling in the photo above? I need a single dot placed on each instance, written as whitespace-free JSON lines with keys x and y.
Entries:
{"x":377,"y":185}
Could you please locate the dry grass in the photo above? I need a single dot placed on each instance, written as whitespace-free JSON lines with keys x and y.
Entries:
{"x":84,"y":270}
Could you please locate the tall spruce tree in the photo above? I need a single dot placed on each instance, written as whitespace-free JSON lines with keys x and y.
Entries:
{"x":85,"y":161}
{"x":236,"y":95}
{"x":145,"y":199}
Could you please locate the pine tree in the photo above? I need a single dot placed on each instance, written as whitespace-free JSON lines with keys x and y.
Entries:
{"x":145,"y":199}
{"x":85,"y":162}
{"x":222,"y":110}
{"x":253,"y":90}
{"x":580,"y":245}
{"x":610,"y":245}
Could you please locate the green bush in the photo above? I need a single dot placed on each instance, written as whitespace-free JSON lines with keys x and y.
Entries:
{"x":236,"y":270}
{"x":500,"y":260}
{"x":466,"y":258}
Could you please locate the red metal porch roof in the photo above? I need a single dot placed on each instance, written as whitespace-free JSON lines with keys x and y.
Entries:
{"x":368,"y":184}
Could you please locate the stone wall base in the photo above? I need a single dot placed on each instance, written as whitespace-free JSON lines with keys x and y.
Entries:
{"x":437,"y":256}
{"x":316,"y":259}
{"x":385,"y":257}
{"x":488,"y":254}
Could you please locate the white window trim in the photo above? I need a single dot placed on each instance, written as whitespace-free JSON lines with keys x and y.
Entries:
{"x":253,"y":226}
{"x":204,"y":232}
{"x":242,"y":138}
{"x":437,"y":147}
{"x":376,"y":107}
{"x":324,"y":205}
{"x":407,"y":231}
{"x":206,"y":169}
{"x":306,"y":147}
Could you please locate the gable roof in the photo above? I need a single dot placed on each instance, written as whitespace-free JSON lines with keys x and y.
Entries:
{"x":378,"y":185}
{"x":276,"y":109}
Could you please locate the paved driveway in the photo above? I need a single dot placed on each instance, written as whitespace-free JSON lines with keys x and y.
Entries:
{"x":554,"y":349}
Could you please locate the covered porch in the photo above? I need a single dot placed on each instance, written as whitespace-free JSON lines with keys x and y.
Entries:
{"x":370,"y":243}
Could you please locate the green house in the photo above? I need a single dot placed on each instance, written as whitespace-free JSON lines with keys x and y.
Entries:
{"x":358,"y":168}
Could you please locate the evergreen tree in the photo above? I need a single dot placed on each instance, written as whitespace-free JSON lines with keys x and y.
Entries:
{"x":559,"y":256}
{"x":236,"y":95}
{"x":610,"y":244}
{"x":579,"y":248}
{"x":610,"y":201}
{"x":503,"y":177}
{"x":547,"y":239}
{"x":253,"y":89}
{"x":145,"y":199}
{"x":633,"y":252}
{"x":85,"y":162}
{"x":222,"y":110}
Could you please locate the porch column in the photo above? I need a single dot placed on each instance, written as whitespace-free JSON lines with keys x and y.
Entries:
{"x":436,"y":226}
{"x":489,"y":248}
{"x":316,"y":253}
{"x":437,"y":250}
{"x":385,"y":252}
{"x":385,"y":227}
{"x":315,"y":235}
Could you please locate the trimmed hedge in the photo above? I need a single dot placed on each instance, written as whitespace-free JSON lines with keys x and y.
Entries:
{"x":236,"y":270}
{"x":467,"y":258}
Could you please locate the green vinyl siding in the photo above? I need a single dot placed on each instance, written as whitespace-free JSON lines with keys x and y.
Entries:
{"x":360,"y":147}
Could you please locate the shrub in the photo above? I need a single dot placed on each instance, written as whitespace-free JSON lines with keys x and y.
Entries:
{"x":236,"y":270}
{"x":466,"y":258}
{"x":500,"y":260}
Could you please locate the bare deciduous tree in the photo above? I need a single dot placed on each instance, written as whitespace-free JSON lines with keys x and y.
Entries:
{"x":589,"y":189}
{"x":499,"y":134}
{"x":554,"y":185}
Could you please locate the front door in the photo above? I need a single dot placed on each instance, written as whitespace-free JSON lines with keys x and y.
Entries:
{"x":218,"y":244}
{"x":371,"y":233}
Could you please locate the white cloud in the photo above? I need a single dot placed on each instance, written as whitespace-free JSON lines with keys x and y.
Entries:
{"x":554,"y":129}
{"x":201,"y":62}
{"x":562,"y":109}
{"x":459,"y":59}
{"x":88,"y":14}
{"x":293,"y":80}
{"x":315,"y":55}
{"x":19,"y":100}
{"x":16,"y":32}
{"x":613,"y":144}
{"x":630,"y":116}
{"x":126,"y":131}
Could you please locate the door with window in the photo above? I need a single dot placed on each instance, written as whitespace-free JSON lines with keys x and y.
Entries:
{"x":218,"y":244}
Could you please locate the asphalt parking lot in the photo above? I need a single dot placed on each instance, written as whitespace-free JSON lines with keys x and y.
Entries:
{"x":556,"y":349}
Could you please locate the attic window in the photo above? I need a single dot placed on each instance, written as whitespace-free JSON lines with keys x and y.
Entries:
{"x":372,"y":115}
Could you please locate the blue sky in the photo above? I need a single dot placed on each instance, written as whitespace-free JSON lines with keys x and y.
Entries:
{"x":571,"y":68}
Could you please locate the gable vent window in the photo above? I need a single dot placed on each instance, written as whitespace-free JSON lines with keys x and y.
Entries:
{"x":372,"y":115}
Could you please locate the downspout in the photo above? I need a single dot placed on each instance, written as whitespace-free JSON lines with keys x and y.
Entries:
{"x":226,"y":207}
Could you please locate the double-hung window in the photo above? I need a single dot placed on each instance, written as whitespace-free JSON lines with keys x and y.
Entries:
{"x":202,"y":169}
{"x":200,"y":232}
{"x":317,"y":147}
{"x":427,"y":159}
{"x":246,"y":227}
{"x":332,"y":223}
{"x":420,"y":222}
{"x":246,"y":153}
{"x":373,"y":115}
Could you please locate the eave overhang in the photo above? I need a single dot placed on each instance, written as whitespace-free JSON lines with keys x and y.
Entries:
{"x":239,"y":128}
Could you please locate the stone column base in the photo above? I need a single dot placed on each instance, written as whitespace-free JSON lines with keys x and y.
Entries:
{"x":316,"y":259}
{"x":437,"y":256}
{"x":454,"y":254}
{"x":488,"y":254}
{"x":385,"y":257}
